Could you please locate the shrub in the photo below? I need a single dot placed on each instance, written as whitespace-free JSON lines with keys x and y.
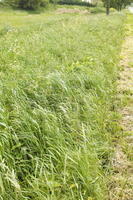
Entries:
{"x":27,"y":4}
{"x":96,"y":10}
{"x":32,"y":4}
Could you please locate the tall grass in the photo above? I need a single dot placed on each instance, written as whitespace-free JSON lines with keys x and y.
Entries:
{"x":57,"y":88}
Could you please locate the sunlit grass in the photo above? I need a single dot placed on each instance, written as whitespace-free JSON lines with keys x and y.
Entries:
{"x":57,"y":91}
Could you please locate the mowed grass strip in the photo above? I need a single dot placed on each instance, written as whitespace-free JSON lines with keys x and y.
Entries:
{"x":57,"y":87}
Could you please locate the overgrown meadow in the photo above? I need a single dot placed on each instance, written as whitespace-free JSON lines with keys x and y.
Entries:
{"x":57,"y":90}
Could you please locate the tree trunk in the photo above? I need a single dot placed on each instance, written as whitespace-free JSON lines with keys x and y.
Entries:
{"x":107,"y":7}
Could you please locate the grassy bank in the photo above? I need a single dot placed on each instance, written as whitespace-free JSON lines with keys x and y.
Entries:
{"x":57,"y":87}
{"x":121,"y":180}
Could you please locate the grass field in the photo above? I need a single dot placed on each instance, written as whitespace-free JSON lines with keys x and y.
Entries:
{"x":57,"y":88}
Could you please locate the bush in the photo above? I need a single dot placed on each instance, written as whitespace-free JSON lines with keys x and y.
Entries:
{"x":112,"y":9}
{"x":32,"y":4}
{"x":27,"y":4}
{"x":96,"y":10}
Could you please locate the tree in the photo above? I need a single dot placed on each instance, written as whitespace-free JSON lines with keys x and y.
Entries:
{"x":117,"y":4}
{"x":27,"y":4}
{"x":32,"y":4}
{"x":107,"y":7}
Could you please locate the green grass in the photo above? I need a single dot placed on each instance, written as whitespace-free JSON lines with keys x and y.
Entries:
{"x":126,"y":97}
{"x":57,"y":87}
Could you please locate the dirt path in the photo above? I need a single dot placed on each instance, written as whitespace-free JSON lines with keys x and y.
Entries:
{"x":71,"y":10}
{"x":121,"y":187}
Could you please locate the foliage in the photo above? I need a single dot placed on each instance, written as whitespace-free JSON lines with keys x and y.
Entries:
{"x":75,"y":2}
{"x":97,"y":9}
{"x":27,"y":4}
{"x":32,"y":4}
{"x":118,"y":4}
{"x":57,"y":90}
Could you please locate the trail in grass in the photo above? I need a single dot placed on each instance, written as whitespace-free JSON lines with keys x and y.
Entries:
{"x":122,"y":162}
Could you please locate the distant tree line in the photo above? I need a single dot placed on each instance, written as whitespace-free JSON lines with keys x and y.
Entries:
{"x":35,"y":4}
{"x":26,"y":4}
{"x":76,"y":2}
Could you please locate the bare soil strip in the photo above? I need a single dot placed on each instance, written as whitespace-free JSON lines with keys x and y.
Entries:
{"x":71,"y":10}
{"x":121,"y":187}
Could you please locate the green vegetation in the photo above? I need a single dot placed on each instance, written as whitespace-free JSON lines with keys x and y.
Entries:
{"x":57,"y":88}
{"x":117,"y":4}
{"x":26,"y":4}
{"x":122,"y":161}
{"x":38,"y":4}
{"x":76,"y":2}
{"x":126,"y":97}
